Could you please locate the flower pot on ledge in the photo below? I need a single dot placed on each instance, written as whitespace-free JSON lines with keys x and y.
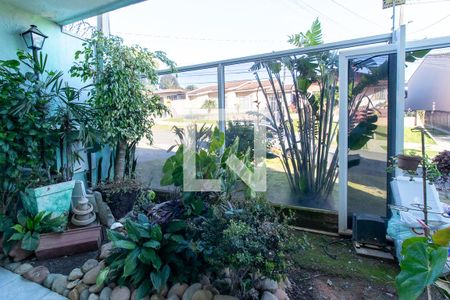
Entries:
{"x":408,"y":163}
{"x":54,"y":198}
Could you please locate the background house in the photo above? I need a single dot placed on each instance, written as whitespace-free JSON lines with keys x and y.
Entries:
{"x":429,"y":90}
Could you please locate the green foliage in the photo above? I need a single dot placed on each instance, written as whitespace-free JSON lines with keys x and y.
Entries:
{"x":29,"y":228}
{"x":210,"y":163}
{"x":168,"y":81}
{"x":422,"y":264}
{"x":248,"y":237}
{"x":150,"y":256}
{"x":312,"y":37}
{"x":209,"y":104}
{"x":244,"y":132}
{"x":124,"y":104}
{"x":27,"y":138}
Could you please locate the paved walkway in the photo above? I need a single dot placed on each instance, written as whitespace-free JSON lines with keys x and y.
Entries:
{"x":14,"y":287}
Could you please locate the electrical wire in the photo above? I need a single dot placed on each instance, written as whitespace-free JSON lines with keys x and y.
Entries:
{"x":191,"y":38}
{"x":431,"y":25}
{"x":312,"y":9}
{"x":357,"y":14}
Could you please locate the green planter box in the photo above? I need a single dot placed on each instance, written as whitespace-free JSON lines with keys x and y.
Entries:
{"x":54,"y":198}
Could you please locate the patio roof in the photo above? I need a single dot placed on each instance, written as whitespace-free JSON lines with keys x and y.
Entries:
{"x":66,"y":12}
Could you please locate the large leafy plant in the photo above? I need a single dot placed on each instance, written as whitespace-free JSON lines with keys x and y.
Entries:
{"x":305,"y":124}
{"x":29,"y":228}
{"x":27,"y":136}
{"x":423,"y":261}
{"x":121,"y":92}
{"x":150,"y":256}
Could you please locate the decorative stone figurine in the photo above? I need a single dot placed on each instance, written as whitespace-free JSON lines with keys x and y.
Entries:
{"x":82,"y":209}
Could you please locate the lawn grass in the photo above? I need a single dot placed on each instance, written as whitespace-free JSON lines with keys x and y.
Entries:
{"x":344,"y":263}
{"x":409,"y":136}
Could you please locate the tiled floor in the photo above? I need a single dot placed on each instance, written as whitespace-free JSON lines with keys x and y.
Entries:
{"x":14,"y":287}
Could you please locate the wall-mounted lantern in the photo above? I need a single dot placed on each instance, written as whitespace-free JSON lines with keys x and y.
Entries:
{"x":34,"y":38}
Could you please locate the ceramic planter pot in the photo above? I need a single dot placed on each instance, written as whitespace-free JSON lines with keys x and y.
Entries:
{"x":54,"y":198}
{"x":408,"y":163}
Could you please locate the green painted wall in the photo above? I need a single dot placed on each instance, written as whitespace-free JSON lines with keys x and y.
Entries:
{"x":59,"y":46}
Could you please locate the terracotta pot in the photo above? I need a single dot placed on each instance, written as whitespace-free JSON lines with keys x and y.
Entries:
{"x":408,"y":163}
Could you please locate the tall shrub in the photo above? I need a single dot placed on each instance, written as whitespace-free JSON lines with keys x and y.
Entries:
{"x":27,"y":138}
{"x":122,"y":78}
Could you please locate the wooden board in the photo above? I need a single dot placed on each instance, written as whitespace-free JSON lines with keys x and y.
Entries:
{"x":74,"y":240}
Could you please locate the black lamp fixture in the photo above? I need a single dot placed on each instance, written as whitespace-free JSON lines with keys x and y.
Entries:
{"x":34,"y":38}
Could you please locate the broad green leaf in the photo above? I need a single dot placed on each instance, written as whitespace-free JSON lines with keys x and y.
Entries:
{"x":408,"y":242}
{"x":147,"y":256}
{"x":420,"y":267}
{"x":30,"y":241}
{"x":156,"y":233}
{"x":114,"y":235}
{"x":175,"y":226}
{"x":442,"y":237}
{"x":152,"y":244}
{"x":19,"y":228}
{"x":16,"y":236}
{"x":101,"y":277}
{"x":124,"y":244}
{"x":143,"y":290}
{"x":131,"y":262}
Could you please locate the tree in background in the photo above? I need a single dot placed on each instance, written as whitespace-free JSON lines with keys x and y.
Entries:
{"x":124,"y":104}
{"x":168,"y":82}
{"x":191,"y":87}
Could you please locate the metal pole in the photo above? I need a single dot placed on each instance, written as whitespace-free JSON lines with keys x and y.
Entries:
{"x":424,"y":179}
{"x":221,"y":96}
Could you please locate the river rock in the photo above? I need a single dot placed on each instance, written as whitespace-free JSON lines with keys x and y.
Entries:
{"x":105,"y":293}
{"x":173,"y":297}
{"x":120,"y":293}
{"x":84,"y":295}
{"x":202,"y":295}
{"x":105,"y":250}
{"x":37,"y":274}
{"x":225,"y":297}
{"x":93,"y":297}
{"x":190,"y":291}
{"x":19,"y":254}
{"x":49,"y":280}
{"x":22,"y":269}
{"x":281,"y":295}
{"x":89,"y":265}
{"x":74,"y":295}
{"x":59,"y":284}
{"x":104,"y":212}
{"x":75,"y":274}
{"x":212,"y":289}
{"x":156,"y":297}
{"x":204,"y":280}
{"x":178,"y":290}
{"x":268,"y":285}
{"x":91,"y":276}
{"x":96,"y":288}
{"x":81,"y":287}
{"x":71,"y":284}
{"x":12,"y":266}
{"x":268,"y":296}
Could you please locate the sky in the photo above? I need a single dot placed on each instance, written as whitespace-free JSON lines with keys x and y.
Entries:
{"x":196,"y":31}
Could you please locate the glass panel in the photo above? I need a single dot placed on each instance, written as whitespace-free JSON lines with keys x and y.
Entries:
{"x":368,"y":134}
{"x":427,"y":104}
{"x":296,"y":99}
{"x":189,"y":97}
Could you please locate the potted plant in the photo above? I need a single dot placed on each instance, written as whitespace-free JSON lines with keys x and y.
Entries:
{"x":34,"y":134}
{"x":408,"y":162}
